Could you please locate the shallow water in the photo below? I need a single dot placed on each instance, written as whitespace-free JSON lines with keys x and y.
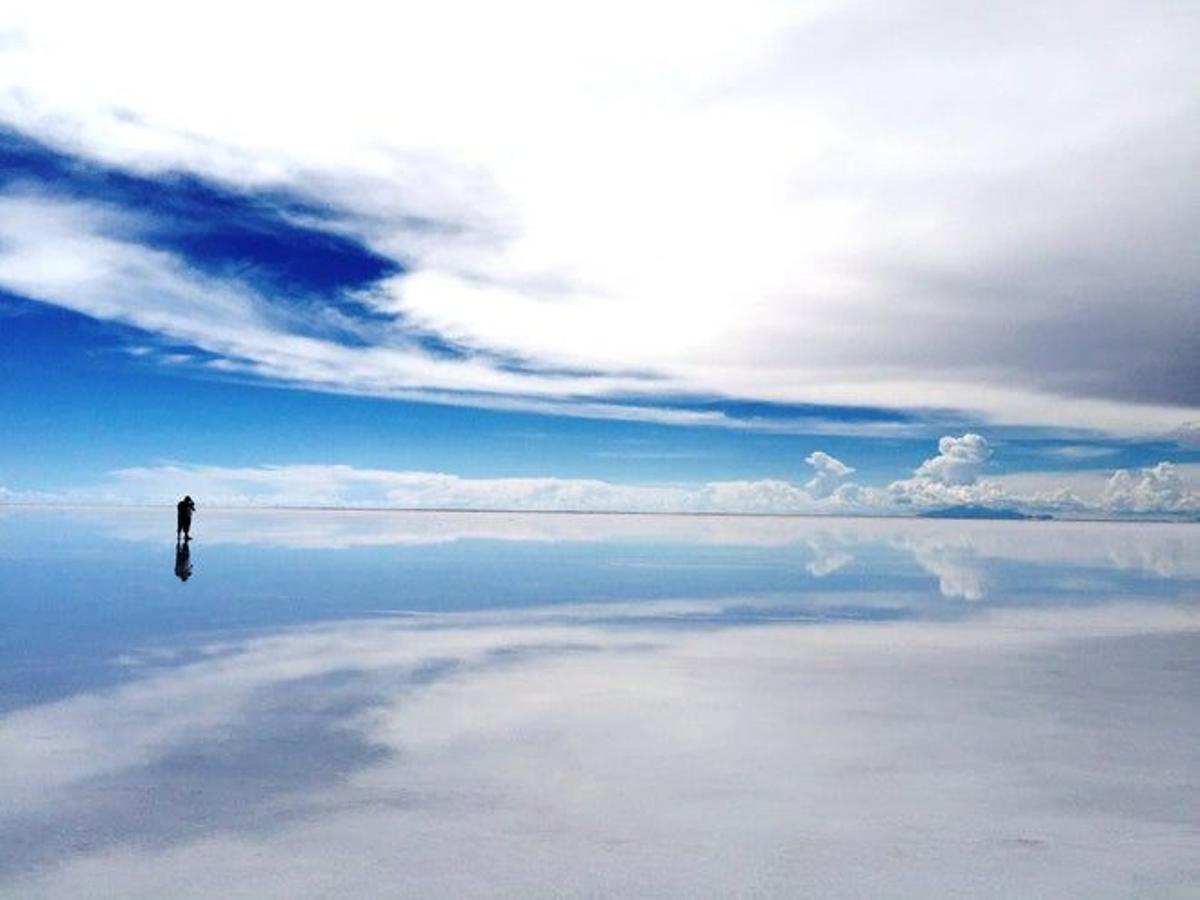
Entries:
{"x":484,"y":704}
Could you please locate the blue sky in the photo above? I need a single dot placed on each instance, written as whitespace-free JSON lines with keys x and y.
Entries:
{"x":665,"y":296}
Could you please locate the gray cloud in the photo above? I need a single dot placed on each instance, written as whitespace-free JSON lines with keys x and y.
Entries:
{"x":984,"y":208}
{"x":1040,"y":229}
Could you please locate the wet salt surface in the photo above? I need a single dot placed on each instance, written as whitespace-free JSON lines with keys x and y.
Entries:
{"x":455,"y":704}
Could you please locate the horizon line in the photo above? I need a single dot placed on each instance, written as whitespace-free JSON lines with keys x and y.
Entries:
{"x":1164,"y":520}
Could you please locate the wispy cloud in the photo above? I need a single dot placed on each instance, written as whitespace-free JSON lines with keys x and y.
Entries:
{"x":81,"y":255}
{"x":835,"y":204}
{"x":1081,"y":451}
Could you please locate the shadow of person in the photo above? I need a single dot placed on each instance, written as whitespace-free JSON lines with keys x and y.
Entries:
{"x":183,"y":560}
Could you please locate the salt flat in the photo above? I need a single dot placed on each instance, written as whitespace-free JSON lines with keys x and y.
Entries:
{"x":458,"y":704}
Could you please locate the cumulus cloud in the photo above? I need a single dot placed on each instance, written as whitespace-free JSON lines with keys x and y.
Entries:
{"x":951,"y":478}
{"x":959,"y":460}
{"x":1154,"y":489}
{"x":339,"y":485}
{"x":828,"y":476}
{"x":1164,"y":489}
{"x":901,"y":227}
{"x":347,"y":486}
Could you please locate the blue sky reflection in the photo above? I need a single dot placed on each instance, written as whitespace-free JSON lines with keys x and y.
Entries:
{"x":612,"y":704}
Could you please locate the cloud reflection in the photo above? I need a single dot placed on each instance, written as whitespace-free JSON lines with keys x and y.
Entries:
{"x":595,"y":749}
{"x":963,"y":556}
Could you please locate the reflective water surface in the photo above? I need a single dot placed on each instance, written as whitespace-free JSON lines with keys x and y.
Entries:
{"x":457,"y":704}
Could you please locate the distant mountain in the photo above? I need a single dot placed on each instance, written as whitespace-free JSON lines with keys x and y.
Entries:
{"x":970,"y":511}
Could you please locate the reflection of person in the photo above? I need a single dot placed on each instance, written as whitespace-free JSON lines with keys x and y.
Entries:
{"x":183,"y":519}
{"x":183,"y":560}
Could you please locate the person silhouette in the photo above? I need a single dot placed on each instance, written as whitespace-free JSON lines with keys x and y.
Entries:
{"x":183,"y":560}
{"x":183,"y":518}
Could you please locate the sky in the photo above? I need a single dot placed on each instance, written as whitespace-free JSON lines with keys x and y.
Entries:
{"x":853,"y":257}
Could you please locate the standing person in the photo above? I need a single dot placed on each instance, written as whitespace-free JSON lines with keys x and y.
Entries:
{"x":183,"y":519}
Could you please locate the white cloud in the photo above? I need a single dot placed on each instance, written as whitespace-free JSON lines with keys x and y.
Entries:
{"x":315,"y":485}
{"x":63,"y":252}
{"x":958,"y":462}
{"x":1187,"y":435}
{"x":347,"y":486}
{"x":1158,"y":488}
{"x":1103,"y":491}
{"x":828,"y":476}
{"x":950,"y":478}
{"x":820,"y":202}
{"x":22,"y":497}
{"x":1082,"y":451}
{"x":79,"y":255}
{"x":922,"y":494}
